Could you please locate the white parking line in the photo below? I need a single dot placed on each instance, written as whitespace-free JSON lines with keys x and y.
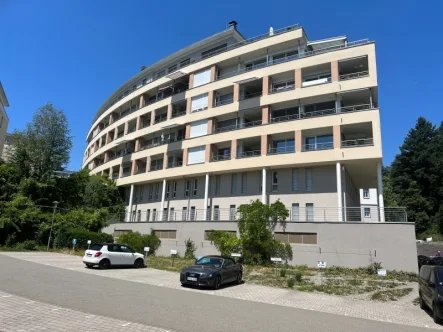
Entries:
{"x":6,"y":295}
{"x":29,"y":302}
{"x":126,"y":324}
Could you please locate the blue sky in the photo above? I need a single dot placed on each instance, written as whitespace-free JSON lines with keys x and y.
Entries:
{"x":76,"y":53}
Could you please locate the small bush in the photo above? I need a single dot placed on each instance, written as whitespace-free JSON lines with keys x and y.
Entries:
{"x":64,"y":239}
{"x":283,"y":273}
{"x":291,"y":283}
{"x":298,"y":276}
{"x":374,"y":267}
{"x":137,"y":241}
{"x":190,"y":249}
{"x":390,"y":295}
{"x":29,"y":245}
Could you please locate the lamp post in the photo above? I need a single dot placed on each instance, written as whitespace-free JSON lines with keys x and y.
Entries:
{"x":52,"y":223}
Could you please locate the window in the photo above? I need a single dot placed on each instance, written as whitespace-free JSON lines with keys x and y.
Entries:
{"x":199,"y":103}
{"x":185,"y":213}
{"x":151,"y":191}
{"x":168,"y":185}
{"x":194,"y":188}
{"x":260,"y":182}
{"x":148,"y":214}
{"x":296,"y":238}
{"x":309,"y":211}
{"x":165,"y":214}
{"x":161,"y":73}
{"x":233,"y":184}
{"x":308,"y":174}
{"x":187,"y":187}
{"x":259,"y":63}
{"x":228,"y":262}
{"x":216,"y":213}
{"x":172,"y":68}
{"x":139,"y":215}
{"x":295,"y":179}
{"x":274,"y":181}
{"x":166,"y":234}
{"x":365,"y":193}
{"x":202,"y":77}
{"x":196,"y":155}
{"x":171,"y":214}
{"x":217,"y":184}
{"x":154,"y":214}
{"x":185,"y":62}
{"x":215,"y":50}
{"x":125,"y":249}
{"x":232,"y":211}
{"x":367,"y":212}
{"x":157,"y":190}
{"x":198,"y":128}
{"x":174,"y":189}
{"x":295,"y":212}
{"x":244,"y":182}
{"x":192,"y":216}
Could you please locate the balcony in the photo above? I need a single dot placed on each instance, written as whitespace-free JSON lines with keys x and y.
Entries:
{"x":120,"y":134}
{"x":353,"y":68}
{"x":281,"y":150}
{"x":157,"y":141}
{"x":160,"y":118}
{"x":175,"y":164}
{"x":176,"y":114}
{"x":315,"y":81}
{"x":318,"y":146}
{"x":140,"y":170}
{"x":249,"y":154}
{"x":224,"y":96}
{"x":156,"y":167}
{"x":355,"y":143}
{"x":223,"y":101}
{"x":115,"y":176}
{"x":282,"y":86}
{"x":131,"y":129}
{"x":237,"y":126}
{"x":221,"y":157}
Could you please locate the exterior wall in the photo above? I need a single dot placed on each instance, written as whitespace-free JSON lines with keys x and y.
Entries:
{"x":4,"y":121}
{"x":339,"y":244}
{"x":373,"y":197}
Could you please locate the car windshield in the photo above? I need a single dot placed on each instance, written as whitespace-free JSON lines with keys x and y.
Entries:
{"x":210,"y":261}
{"x":96,"y":247}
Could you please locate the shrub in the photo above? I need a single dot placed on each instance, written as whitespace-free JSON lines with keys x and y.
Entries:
{"x":374,"y":267}
{"x":63,"y":239}
{"x":298,"y":276}
{"x":283,"y":273}
{"x":29,"y":245}
{"x":137,"y":241}
{"x":225,"y":242}
{"x":291,"y":282}
{"x":190,"y":249}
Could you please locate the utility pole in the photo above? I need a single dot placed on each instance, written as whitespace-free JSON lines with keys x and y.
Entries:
{"x":52,"y":223}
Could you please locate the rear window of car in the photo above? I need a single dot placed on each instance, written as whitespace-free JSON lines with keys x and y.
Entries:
{"x":96,"y":247}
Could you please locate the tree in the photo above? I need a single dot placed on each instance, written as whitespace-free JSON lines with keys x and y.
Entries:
{"x":9,"y":181}
{"x":44,"y":146}
{"x":137,"y":241}
{"x":390,"y":196}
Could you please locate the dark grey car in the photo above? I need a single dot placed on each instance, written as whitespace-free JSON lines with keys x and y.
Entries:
{"x":212,"y":271}
{"x":430,"y":282}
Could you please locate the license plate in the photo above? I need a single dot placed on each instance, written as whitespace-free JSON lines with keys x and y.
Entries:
{"x":192,"y":279}
{"x":89,"y":255}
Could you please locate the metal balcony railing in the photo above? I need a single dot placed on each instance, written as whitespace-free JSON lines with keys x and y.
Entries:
{"x":354,"y":75}
{"x":357,"y":142}
{"x":131,"y":130}
{"x":251,"y":95}
{"x":126,"y":174}
{"x":160,"y":118}
{"x":146,"y":124}
{"x":226,"y":101}
{"x":355,"y":108}
{"x":177,"y":114}
{"x":157,"y":141}
{"x":301,"y":214}
{"x":237,"y":126}
{"x":284,"y":88}
{"x":318,"y":146}
{"x":314,"y":114}
{"x":248,"y":154}
{"x":140,"y":170}
{"x":156,"y":168}
{"x":285,"y":118}
{"x":221,"y":157}
{"x":175,"y":164}
{"x":281,"y":150}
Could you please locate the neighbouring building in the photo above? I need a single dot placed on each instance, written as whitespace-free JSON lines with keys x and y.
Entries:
{"x":228,"y":120}
{"x":4,"y":120}
{"x":7,"y":148}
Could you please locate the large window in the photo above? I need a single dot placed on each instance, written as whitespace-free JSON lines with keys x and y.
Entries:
{"x":199,"y":103}
{"x":244,"y":182}
{"x":199,"y":128}
{"x":274,"y":181}
{"x":295,"y":212}
{"x":233,"y":184}
{"x":187,"y":187}
{"x":194,"y":188}
{"x":309,"y":211}
{"x":296,"y":238}
{"x":166,"y":234}
{"x":202,"y":77}
{"x":215,"y":50}
{"x":196,"y":155}
{"x":308,"y":175}
{"x":295,"y":180}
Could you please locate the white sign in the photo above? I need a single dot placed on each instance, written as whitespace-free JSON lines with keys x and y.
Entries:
{"x":429,"y":239}
{"x":235,"y":255}
{"x":89,"y":241}
{"x":381,"y":273}
{"x":321,"y":264}
{"x":146,"y":249}
{"x":275,"y":259}
{"x":173,"y":252}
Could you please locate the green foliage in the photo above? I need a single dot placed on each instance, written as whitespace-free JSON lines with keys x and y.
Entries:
{"x":225,"y":242}
{"x":282,"y":273}
{"x":136,"y":241}
{"x":291,"y":283}
{"x":63,"y":239}
{"x":298,"y":276}
{"x":390,"y":295}
{"x":374,"y":267}
{"x":190,"y":249}
{"x":26,"y":245}
{"x":9,"y":181}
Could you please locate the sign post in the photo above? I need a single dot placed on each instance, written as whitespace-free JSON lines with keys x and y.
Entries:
{"x":173,"y":254}
{"x":74,"y":242}
{"x":321,"y":265}
{"x":382,"y":274}
{"x":89,"y":243}
{"x":276,"y":260}
{"x":146,"y":250}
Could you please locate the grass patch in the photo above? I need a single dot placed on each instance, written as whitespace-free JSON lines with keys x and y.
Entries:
{"x":390,"y":295}
{"x":416,"y":301}
{"x":165,"y":263}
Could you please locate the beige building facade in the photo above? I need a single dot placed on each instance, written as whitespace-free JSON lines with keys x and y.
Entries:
{"x":228,"y":120}
{"x":4,"y":120}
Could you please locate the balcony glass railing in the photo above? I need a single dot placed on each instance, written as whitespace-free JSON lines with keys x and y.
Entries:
{"x":353,"y":75}
{"x":282,"y":149}
{"x":140,"y":170}
{"x":318,"y":146}
{"x":160,"y":118}
{"x":176,"y":114}
{"x":156,"y":167}
{"x":357,"y":142}
{"x":237,"y":126}
{"x":355,"y":108}
{"x":175,"y":164}
{"x":281,"y":87}
{"x":251,"y":95}
{"x":131,"y":130}
{"x":226,"y":101}
{"x":248,"y":154}
{"x":221,"y":157}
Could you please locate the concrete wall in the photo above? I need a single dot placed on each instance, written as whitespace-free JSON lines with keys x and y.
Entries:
{"x":339,"y":244}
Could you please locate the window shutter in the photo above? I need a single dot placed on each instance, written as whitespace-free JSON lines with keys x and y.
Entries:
{"x":202,"y":77}
{"x":199,"y":103}
{"x":196,"y":155}
{"x":199,"y":128}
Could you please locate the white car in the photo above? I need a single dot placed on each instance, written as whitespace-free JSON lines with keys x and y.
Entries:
{"x":111,"y":254}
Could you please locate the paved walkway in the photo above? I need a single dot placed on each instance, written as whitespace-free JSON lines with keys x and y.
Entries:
{"x":19,"y":314}
{"x":400,"y":313}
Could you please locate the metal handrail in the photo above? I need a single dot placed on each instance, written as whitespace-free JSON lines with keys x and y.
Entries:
{"x":251,"y":95}
{"x":220,"y":157}
{"x":355,"y":108}
{"x":237,"y":126}
{"x":126,"y":174}
{"x":282,"y":89}
{"x":177,"y":114}
{"x":223,"y":102}
{"x":286,"y":149}
{"x":354,"y":75}
{"x":357,"y":142}
{"x":140,"y":170}
{"x":155,"y":168}
{"x":312,"y":114}
{"x":175,"y":164}
{"x":252,"y":153}
{"x":318,"y":146}
{"x":131,"y":130}
{"x":161,"y":118}
{"x":285,"y":118}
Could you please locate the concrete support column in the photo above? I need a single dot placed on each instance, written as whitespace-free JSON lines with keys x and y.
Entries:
{"x":210,"y":125}
{"x":185,"y":156}
{"x":264,"y":145}
{"x":298,"y":78}
{"x":210,"y":99}
{"x":263,"y":192}
{"x":191,"y":81}
{"x":236,"y":92}
{"x":339,"y":193}
{"x":265,"y":87}
{"x":334,"y":71}
{"x":152,"y":117}
{"x":265,"y":114}
{"x":371,"y":102}
{"x":126,"y":128}
{"x":139,"y":123}
{"x":338,"y":103}
{"x":120,"y":171}
{"x":129,"y":212}
{"x":169,"y":113}
{"x":188,"y":105}
{"x":213,"y":73}
{"x":298,"y":141}
{"x":207,"y":153}
{"x":134,"y":167}
{"x":234,"y":149}
{"x":111,"y":118}
{"x":137,"y":144}
{"x":381,"y":203}
{"x":206,"y":196}
{"x":142,"y":101}
{"x":115,"y":133}
{"x":106,"y":158}
{"x":165,"y":160}
{"x":336,"y":134}
{"x":148,"y":164}
{"x":162,"y":204}
{"x":188,"y":131}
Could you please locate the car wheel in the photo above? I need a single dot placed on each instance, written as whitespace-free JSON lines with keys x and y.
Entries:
{"x":437,"y":319}
{"x":217,"y":282}
{"x":104,"y":264}
{"x":239,"y":278}
{"x":422,"y":303}
{"x":89,"y":266}
{"x":138,"y":264}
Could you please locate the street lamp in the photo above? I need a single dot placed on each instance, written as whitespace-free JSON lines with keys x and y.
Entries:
{"x":52,"y":224}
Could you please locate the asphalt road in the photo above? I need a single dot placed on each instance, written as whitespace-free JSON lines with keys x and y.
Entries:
{"x":167,"y":308}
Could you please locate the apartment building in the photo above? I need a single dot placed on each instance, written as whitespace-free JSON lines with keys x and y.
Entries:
{"x":4,"y":120}
{"x":228,"y":120}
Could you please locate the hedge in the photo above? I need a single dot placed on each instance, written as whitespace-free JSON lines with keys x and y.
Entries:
{"x":64,"y":238}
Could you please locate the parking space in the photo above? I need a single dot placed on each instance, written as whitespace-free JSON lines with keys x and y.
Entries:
{"x":385,"y":312}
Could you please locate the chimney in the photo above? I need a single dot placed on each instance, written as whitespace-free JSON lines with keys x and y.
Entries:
{"x":233,"y":25}
{"x":143,"y":68}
